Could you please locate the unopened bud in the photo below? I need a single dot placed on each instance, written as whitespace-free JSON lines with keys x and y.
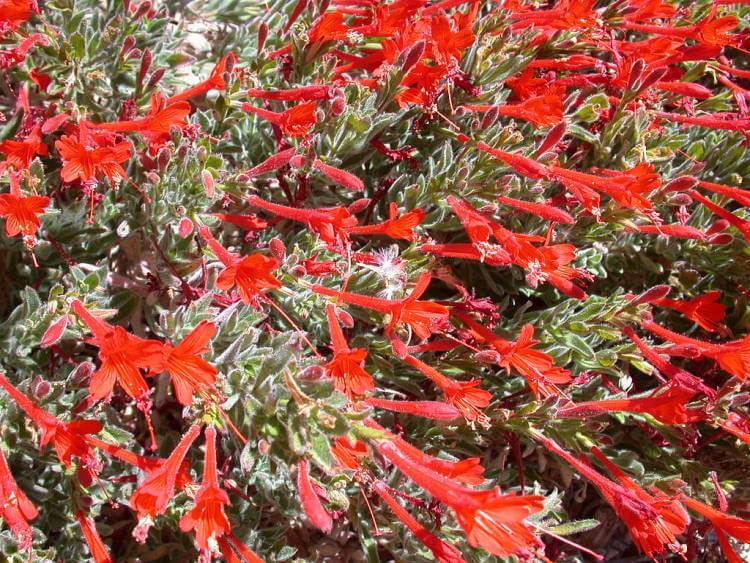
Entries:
{"x":681,"y":184}
{"x":656,"y":292}
{"x":717,"y":227}
{"x":721,"y":239}
{"x":185,"y":227}
{"x":411,"y":56}
{"x":145,"y":64}
{"x":156,"y":77}
{"x":82,"y":373}
{"x":346,"y":320}
{"x":262,"y":36}
{"x":277,"y":248}
{"x":679,"y":199}
{"x":338,"y":106}
{"x":127,"y":44}
{"x":40,"y":388}
{"x":311,"y":373}
{"x":488,"y":357}
{"x":208,"y":183}
{"x":162,"y":158}
{"x":359,"y":205}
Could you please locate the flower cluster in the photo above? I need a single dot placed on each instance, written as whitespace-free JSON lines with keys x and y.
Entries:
{"x":443,"y":280}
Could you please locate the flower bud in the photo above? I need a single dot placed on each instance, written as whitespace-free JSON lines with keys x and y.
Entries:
{"x":208,"y":183}
{"x":277,"y":248}
{"x":346,"y":320}
{"x":40,"y":388}
{"x":185,"y":227}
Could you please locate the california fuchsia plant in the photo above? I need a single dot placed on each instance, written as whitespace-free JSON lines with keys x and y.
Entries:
{"x":369,"y":280}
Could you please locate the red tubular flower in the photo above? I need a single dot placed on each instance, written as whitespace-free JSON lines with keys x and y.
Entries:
{"x":733,"y":357}
{"x":341,"y":177}
{"x":298,"y":94}
{"x":467,"y":471}
{"x":190,"y":373}
{"x":215,"y":81}
{"x":738,"y":426}
{"x":99,"y":551}
{"x":542,"y":210}
{"x":146,"y":464}
{"x":627,"y":188}
{"x":737,"y":194}
{"x":250,"y":274}
{"x":245,"y":222}
{"x":675,"y":230}
{"x":15,"y":12}
{"x":424,"y":317}
{"x":156,"y":126}
{"x":443,"y":552}
{"x":490,"y":519}
{"x":703,"y":310}
{"x":542,"y":111}
{"x":235,"y":551}
{"x":395,"y":227}
{"x":152,"y":496}
{"x":434,"y":410}
{"x":667,"y":404}
{"x":20,"y":211}
{"x":537,"y":367}
{"x":654,"y":520}
{"x":463,"y":395}
{"x":347,"y":366}
{"x":16,"y":509}
{"x":543,"y":264}
{"x":294,"y":122}
{"x":688,"y":89}
{"x":524,"y":166}
{"x":740,"y":224}
{"x":674,"y":373}
{"x":207,"y":518}
{"x":68,"y":438}
{"x":122,"y":355}
{"x":331,"y":224}
{"x":273,"y":162}
{"x":311,"y":504}
{"x":724,"y":525}
{"x":84,"y":161}
{"x":19,"y":154}
{"x":710,"y":121}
